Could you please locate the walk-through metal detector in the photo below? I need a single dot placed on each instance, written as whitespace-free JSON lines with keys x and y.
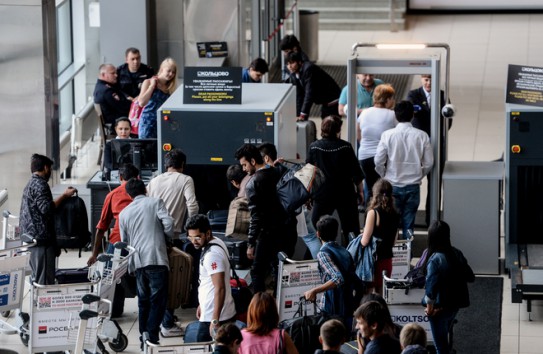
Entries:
{"x":429,"y":65}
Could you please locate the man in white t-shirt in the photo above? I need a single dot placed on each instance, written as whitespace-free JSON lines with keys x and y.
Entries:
{"x":214,"y":294}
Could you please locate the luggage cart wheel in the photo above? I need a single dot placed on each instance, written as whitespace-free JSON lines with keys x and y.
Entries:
{"x":119,"y":344}
{"x":5,"y":314}
{"x":24,"y":338}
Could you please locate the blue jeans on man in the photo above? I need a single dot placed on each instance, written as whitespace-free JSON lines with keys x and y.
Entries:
{"x":406,"y":202}
{"x":152,"y":297}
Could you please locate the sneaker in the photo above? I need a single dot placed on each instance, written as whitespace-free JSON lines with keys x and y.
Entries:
{"x":175,"y":331}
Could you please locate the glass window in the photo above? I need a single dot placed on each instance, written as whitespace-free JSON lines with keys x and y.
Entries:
{"x":64,"y":36}
{"x":66,"y":107}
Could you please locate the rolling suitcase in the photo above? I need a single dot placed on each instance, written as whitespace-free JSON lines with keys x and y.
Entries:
{"x":238,"y":254}
{"x":306,"y":133}
{"x":72,"y":275}
{"x":180,"y":278}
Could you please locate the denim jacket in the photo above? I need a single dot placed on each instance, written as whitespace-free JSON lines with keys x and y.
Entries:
{"x":446,"y":280}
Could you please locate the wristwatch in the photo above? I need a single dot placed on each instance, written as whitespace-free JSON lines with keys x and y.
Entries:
{"x":215,"y":322}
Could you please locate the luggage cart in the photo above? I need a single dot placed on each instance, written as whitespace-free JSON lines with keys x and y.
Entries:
{"x":401,"y":259}
{"x":151,"y":348}
{"x":54,"y":309}
{"x":404,"y":304}
{"x":94,"y":326}
{"x":296,"y":277}
{"x":14,"y":263}
{"x":11,"y":236}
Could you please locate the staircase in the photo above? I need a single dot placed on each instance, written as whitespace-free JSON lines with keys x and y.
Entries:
{"x":357,"y":15}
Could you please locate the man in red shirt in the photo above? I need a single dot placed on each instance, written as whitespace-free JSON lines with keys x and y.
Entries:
{"x":115,"y":202}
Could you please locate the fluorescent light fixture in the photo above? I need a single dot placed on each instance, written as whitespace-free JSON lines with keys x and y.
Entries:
{"x":400,"y":46}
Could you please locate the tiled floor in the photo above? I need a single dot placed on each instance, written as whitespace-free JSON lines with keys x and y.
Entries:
{"x":481,"y":48}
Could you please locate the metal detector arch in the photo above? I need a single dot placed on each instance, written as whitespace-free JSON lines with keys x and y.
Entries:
{"x":429,"y":65}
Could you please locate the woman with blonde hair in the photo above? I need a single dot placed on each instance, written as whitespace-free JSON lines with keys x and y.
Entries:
{"x":382,"y":221}
{"x":372,"y":122}
{"x":262,"y":335}
{"x":154,"y":92}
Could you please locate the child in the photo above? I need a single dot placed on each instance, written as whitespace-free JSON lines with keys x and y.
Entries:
{"x":332,"y":337}
{"x":413,"y":339}
{"x":228,"y":339}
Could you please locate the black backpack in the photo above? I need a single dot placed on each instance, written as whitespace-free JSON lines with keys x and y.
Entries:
{"x":72,"y":224}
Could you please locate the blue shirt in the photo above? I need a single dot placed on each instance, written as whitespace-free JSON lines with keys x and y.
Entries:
{"x":364,"y":99}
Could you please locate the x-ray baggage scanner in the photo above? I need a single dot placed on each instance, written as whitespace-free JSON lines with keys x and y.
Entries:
{"x":523,"y":207}
{"x":429,"y":65}
{"x":210,"y":134}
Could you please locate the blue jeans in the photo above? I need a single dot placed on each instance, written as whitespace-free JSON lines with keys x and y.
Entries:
{"x":312,"y":243}
{"x":152,"y":296}
{"x":440,"y":325}
{"x":169,"y":319}
{"x":406,"y":201}
{"x":117,"y":308}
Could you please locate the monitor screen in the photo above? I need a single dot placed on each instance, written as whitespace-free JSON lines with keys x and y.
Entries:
{"x":142,"y":153}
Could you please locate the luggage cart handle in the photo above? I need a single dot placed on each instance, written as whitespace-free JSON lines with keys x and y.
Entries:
{"x":282,"y":256}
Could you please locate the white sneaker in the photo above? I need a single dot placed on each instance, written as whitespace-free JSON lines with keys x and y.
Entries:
{"x":175,"y":331}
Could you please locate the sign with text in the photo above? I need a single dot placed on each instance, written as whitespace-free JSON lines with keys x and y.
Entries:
{"x":212,"y":85}
{"x":525,"y":85}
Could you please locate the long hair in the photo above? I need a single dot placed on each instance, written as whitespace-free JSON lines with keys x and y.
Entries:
{"x":382,"y":196}
{"x":172,"y":84}
{"x":262,"y":315}
{"x":439,"y":240}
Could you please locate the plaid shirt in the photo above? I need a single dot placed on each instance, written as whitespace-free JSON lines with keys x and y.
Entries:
{"x":329,"y":271}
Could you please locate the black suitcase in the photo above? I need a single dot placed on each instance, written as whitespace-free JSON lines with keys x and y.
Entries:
{"x":238,"y":254}
{"x":72,"y":275}
{"x":237,"y":251}
{"x":218,"y":219}
{"x":306,"y":133}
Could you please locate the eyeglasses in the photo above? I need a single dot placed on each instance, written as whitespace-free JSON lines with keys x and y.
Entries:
{"x":194,"y":238}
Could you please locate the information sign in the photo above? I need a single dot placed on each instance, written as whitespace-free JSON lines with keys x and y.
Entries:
{"x":212,"y":85}
{"x":525,"y":85}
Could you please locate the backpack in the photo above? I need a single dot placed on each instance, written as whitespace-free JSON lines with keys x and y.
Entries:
{"x":416,"y":276}
{"x":298,"y":185}
{"x":72,"y":224}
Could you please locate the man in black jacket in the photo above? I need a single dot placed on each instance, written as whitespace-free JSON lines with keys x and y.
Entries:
{"x":313,"y":85}
{"x":267,"y":215}
{"x":132,"y":73}
{"x":420,"y":98}
{"x":107,"y":94}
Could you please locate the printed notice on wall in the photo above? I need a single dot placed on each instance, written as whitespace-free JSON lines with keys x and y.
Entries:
{"x":212,"y":85}
{"x":525,"y":85}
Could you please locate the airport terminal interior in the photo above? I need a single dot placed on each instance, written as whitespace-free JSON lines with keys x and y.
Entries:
{"x":482,"y":46}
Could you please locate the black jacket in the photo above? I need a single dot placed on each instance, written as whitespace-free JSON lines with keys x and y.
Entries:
{"x":422,"y":119}
{"x":338,"y":162}
{"x":267,"y":214}
{"x":113,"y":102}
{"x":129,"y":83}
{"x":313,"y":85}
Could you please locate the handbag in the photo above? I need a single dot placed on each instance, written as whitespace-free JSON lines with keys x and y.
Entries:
{"x":134,"y":116}
{"x":364,"y":257}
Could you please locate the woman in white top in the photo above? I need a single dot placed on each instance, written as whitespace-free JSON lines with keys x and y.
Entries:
{"x":372,"y":122}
